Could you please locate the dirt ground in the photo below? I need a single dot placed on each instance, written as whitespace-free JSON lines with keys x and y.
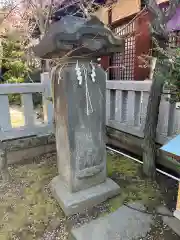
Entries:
{"x":27,"y":210}
{"x":17,"y":116}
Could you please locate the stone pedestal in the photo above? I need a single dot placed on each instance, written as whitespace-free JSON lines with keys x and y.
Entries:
{"x":79,"y":88}
{"x":80,"y":138}
{"x":78,"y":202}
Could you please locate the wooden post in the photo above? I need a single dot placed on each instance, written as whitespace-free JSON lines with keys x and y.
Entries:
{"x":142,"y":46}
{"x":105,"y":60}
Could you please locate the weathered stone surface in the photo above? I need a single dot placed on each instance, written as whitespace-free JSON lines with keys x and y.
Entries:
{"x":20,"y":150}
{"x":29,"y":142}
{"x":23,"y":143}
{"x":80,"y":35}
{"x":28,"y":154}
{"x":78,"y":202}
{"x":124,"y":224}
{"x":80,"y":137}
{"x":80,"y":127}
{"x":79,"y":89}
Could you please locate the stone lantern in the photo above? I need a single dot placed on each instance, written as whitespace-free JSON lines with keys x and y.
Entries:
{"x":79,"y":94}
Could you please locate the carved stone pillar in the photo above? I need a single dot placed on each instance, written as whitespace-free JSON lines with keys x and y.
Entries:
{"x":79,"y":88}
{"x":80,"y":138}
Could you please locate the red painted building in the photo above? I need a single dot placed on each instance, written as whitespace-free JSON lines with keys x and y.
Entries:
{"x":130,"y":20}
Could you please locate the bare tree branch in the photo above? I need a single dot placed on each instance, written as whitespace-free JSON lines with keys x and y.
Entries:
{"x":50,"y":10}
{"x":154,"y":9}
{"x":160,"y":17}
{"x":173,"y":4}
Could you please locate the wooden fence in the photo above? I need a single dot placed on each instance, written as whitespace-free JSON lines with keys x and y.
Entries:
{"x":26,"y":91}
{"x":126,"y":106}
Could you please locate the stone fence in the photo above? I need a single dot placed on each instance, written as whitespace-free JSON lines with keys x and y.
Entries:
{"x":126,"y":106}
{"x":30,"y":128}
{"x":32,"y":139}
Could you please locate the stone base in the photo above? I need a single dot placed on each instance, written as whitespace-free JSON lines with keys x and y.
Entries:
{"x":177,"y":214}
{"x":77,"y":202}
{"x":124,"y":223}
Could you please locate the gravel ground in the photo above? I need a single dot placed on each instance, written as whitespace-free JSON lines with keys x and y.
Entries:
{"x":160,"y":231}
{"x":24,"y":193}
{"x":27,"y":210}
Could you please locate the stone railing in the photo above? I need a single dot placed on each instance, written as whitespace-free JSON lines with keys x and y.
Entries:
{"x":30,"y":128}
{"x":126,"y":106}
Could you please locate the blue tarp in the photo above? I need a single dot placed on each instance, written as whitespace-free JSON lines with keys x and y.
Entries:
{"x":172,"y":147}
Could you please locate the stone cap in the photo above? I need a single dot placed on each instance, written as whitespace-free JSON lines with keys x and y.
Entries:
{"x":77,"y":36}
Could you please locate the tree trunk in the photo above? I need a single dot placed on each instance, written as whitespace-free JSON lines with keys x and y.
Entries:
{"x":159,"y":19}
{"x":3,"y":163}
{"x":149,"y":143}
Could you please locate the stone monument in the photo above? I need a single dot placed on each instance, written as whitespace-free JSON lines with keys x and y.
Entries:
{"x":79,"y":89}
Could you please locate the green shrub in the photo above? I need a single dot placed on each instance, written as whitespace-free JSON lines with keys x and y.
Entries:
{"x":14,"y":65}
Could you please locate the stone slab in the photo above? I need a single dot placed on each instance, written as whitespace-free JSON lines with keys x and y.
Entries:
{"x":123,"y":224}
{"x":78,"y":202}
{"x":177,"y":215}
{"x":171,"y":221}
{"x":24,"y":149}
